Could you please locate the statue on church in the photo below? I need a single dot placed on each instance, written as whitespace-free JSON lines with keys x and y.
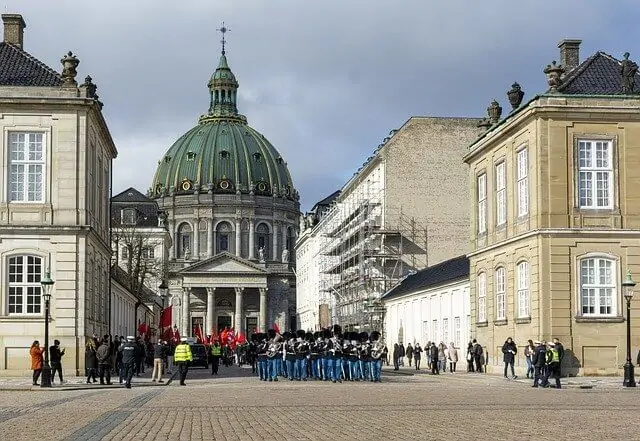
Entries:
{"x":285,"y":256}
{"x":162,"y":218}
{"x":261,"y":254}
{"x":187,"y":254}
{"x":628,"y":70}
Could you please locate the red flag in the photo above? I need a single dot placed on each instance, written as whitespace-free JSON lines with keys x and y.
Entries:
{"x":198,"y":334}
{"x":142,"y":329}
{"x":240,"y":339}
{"x":276,"y":328}
{"x":223,"y":337}
{"x":165,"y":324}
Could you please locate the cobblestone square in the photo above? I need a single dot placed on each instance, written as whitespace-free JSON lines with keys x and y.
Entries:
{"x":237,"y":406}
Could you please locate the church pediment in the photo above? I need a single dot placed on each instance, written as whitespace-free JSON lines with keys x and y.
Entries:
{"x":224,"y":263}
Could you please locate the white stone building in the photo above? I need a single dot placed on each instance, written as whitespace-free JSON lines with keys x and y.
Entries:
{"x":56,"y":154}
{"x":431,"y":305}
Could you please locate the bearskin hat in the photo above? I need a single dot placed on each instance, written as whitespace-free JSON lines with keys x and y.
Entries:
{"x":286,"y":335}
{"x":300,"y":333}
{"x":337,"y":330}
{"x":364,"y":336}
{"x":309,"y":337}
{"x":271,"y":333}
{"x":375,"y":336}
{"x":317,"y":335}
{"x":326,"y":333}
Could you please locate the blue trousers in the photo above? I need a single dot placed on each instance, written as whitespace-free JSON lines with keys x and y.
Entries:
{"x":376,"y":368}
{"x":354,"y":370}
{"x":291,"y":367}
{"x":327,"y":368}
{"x":336,"y":367}
{"x":301,"y":369}
{"x":273,"y":368}
{"x":316,"y":367}
{"x":263,"y":369}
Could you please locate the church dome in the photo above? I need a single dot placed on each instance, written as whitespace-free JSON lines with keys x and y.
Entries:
{"x":223,"y":154}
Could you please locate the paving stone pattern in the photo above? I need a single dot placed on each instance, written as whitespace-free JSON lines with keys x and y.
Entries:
{"x":236,"y":406}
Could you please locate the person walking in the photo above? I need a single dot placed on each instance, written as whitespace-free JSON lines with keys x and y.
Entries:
{"x":434,"y":359}
{"x":553,"y":365}
{"x":182,"y":357}
{"x":417,"y":355}
{"x":216,"y":351}
{"x":453,"y":358}
{"x":539,"y":359}
{"x":36,"y":353}
{"x":103,"y":356}
{"x":55,"y":357}
{"x":509,"y":349}
{"x":128,"y":350}
{"x":442,"y":357}
{"x":409,"y":353}
{"x":529,"y":350}
{"x":158,"y":355}
{"x":478,"y":353}
{"x":90,"y":361}
{"x":396,"y":357}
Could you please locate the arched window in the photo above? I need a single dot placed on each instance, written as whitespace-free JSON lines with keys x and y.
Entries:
{"x":262,"y":240}
{"x":291,"y":239}
{"x":500,"y":284}
{"x":598,"y":287}
{"x":481,"y":291}
{"x":524,"y":296}
{"x":184,"y":239}
{"x":25,"y":296}
{"x":223,"y":235}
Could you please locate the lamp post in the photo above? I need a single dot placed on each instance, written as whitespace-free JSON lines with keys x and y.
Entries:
{"x":47,"y":284}
{"x":627,"y":291}
{"x":163,"y":291}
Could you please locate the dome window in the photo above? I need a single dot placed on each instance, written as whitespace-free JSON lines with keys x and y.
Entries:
{"x":224,"y":154}
{"x":262,"y":187}
{"x":191,"y":156}
{"x":225,"y":185}
{"x":257,"y":156}
{"x":279,"y":160}
{"x":159,"y":188}
{"x":167,"y":158}
{"x":186,"y":185}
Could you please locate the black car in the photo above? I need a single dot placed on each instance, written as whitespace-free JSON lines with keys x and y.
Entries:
{"x":200,"y":356}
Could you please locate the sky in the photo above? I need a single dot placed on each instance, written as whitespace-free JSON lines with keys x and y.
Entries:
{"x":324,"y":80}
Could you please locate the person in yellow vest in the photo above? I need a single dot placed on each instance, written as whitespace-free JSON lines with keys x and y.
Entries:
{"x":182,"y":357}
{"x":216,"y":351}
{"x":553,"y":365}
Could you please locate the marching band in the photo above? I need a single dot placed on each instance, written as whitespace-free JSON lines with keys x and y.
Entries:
{"x":327,"y":355}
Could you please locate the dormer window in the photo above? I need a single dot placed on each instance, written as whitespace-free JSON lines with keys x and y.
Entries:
{"x":167,"y":158}
{"x":191,"y":156}
{"x":257,"y":156}
{"x":224,"y":154}
{"x":128,"y":216}
{"x":279,"y":160}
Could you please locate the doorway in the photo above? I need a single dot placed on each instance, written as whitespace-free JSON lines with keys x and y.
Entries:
{"x":224,"y":321}
{"x":196,"y":323}
{"x":251,"y":327}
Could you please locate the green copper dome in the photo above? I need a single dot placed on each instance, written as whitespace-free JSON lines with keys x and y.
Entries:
{"x":223,"y":154}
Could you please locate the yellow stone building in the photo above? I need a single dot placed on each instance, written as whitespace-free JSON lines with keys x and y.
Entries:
{"x":556,"y":214}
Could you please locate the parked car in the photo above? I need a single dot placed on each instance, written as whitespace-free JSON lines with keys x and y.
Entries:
{"x":200,"y":356}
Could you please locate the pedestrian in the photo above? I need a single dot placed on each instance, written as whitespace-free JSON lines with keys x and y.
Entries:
{"x":538,"y":359}
{"x":409,"y":353}
{"x":529,"y":350}
{"x":216,"y":350}
{"x":442,"y":357}
{"x":553,"y":365}
{"x":103,"y":355}
{"x":478,"y":353}
{"x":182,"y":357}
{"x":90,"y":360}
{"x":401,"y":354}
{"x":470,"y":358}
{"x":158,"y":355}
{"x":128,"y":350}
{"x":396,"y":357}
{"x":560,"y":348}
{"x":509,"y":349}
{"x":36,"y":353}
{"x":417,"y":355}
{"x":434,"y":359}
{"x":55,"y":357}
{"x":119,"y":366}
{"x":453,"y":357}
{"x":140,"y":356}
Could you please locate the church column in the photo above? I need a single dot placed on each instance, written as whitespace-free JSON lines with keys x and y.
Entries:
{"x":263,"y":309}
{"x":284,"y":237}
{"x":209,"y":237}
{"x":274,"y":251}
{"x":186,"y":294}
{"x":172,"y":233}
{"x":238,"y":243}
{"x":196,"y":239}
{"x":252,"y":237}
{"x":238,"y":320}
{"x":211,"y":320}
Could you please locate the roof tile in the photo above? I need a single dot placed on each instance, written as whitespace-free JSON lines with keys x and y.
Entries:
{"x":18,"y":68}
{"x":597,"y":75}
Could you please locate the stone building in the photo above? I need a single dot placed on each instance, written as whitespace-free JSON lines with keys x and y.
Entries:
{"x":556,"y":213}
{"x":56,"y":153}
{"x":394,"y":216}
{"x":232,"y":214}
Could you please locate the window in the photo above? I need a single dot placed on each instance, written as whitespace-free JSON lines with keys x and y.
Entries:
{"x":482,"y":297}
{"x":445,"y":330}
{"x":223,"y":233}
{"x":482,"y":203}
{"x":598,"y":287}
{"x":26,"y":167}
{"x":434,"y":331}
{"x":501,"y":195}
{"x":125,"y":252}
{"x":595,"y":174}
{"x":147,"y":253}
{"x":523,"y":182}
{"x":524,"y":299}
{"x":500,"y":294}
{"x":128,"y":216}
{"x":262,"y":239}
{"x":24,"y":285}
{"x":184,"y":239}
{"x":457,"y":332}
{"x":425,"y":329}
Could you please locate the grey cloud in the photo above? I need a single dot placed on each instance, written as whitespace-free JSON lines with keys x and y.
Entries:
{"x":324,"y":81}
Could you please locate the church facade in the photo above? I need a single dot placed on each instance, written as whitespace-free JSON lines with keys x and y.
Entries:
{"x":232,"y":213}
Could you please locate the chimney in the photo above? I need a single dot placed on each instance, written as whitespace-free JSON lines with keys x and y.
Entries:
{"x":13,"y":29}
{"x":569,"y":54}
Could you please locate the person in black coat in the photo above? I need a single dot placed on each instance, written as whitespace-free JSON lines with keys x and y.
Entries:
{"x":538,"y":359}
{"x":396,"y":357}
{"x":434,"y":359}
{"x":509,"y":349}
{"x":90,"y":360}
{"x":417,"y":355}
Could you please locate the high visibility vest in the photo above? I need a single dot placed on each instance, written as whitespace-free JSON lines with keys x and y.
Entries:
{"x":553,"y":356}
{"x":182,"y":353}
{"x":215,"y":351}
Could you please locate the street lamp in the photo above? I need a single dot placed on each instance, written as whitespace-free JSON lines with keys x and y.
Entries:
{"x":47,"y":284}
{"x":163,"y":291}
{"x":627,"y":291}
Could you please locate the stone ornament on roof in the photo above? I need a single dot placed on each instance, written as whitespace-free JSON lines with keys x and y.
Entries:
{"x":495,"y":112}
{"x":628,"y":71}
{"x":69,"y":64}
{"x":515,"y":96}
{"x":554,"y":74}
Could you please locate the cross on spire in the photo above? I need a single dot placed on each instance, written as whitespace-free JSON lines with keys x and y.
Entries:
{"x":223,"y":30}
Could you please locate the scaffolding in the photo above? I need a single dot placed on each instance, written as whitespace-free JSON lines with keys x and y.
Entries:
{"x":366,"y":248}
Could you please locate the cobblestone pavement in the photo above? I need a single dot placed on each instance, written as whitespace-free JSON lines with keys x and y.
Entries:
{"x":236,"y":406}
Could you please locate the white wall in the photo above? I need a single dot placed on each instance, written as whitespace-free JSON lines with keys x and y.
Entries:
{"x":430,"y":315}
{"x":308,"y":281}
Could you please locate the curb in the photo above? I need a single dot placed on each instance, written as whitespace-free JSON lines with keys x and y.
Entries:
{"x":82,"y":386}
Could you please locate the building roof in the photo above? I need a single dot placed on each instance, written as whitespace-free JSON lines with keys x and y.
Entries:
{"x":18,"y":68}
{"x":444,"y":272}
{"x":597,"y":75}
{"x":326,"y":201}
{"x":146,"y":209}
{"x":131,"y":195}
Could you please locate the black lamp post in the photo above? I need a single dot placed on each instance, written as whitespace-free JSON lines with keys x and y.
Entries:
{"x":627,"y":291}
{"x":163,"y":291}
{"x":47,"y":284}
